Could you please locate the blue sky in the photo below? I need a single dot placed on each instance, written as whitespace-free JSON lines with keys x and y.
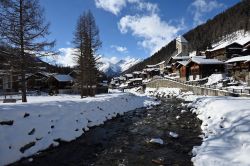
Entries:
{"x":128,"y":28}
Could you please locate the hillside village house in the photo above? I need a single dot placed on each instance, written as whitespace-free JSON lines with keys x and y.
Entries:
{"x":137,"y":74}
{"x":38,"y":81}
{"x":225,"y":51}
{"x":199,"y":68}
{"x":58,"y":82}
{"x":181,"y":69}
{"x":239,"y":67}
{"x":151,"y":71}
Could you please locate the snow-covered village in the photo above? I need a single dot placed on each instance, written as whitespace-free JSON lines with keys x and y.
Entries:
{"x":124,"y":83}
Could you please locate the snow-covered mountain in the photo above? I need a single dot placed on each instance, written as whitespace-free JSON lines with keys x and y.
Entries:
{"x":114,"y":68}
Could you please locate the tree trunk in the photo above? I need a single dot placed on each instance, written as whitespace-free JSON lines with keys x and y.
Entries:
{"x":23,"y":81}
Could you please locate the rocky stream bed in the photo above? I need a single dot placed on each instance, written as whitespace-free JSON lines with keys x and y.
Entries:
{"x":125,"y":140}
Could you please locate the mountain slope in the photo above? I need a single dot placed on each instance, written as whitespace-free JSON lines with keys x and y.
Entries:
{"x":232,"y":20}
{"x":116,"y":68}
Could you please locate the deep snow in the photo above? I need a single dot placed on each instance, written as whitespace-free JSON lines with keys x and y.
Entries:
{"x":225,"y":126}
{"x":46,"y":119}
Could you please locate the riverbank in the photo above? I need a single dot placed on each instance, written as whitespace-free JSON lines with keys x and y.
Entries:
{"x":225,"y":127}
{"x":45,"y":121}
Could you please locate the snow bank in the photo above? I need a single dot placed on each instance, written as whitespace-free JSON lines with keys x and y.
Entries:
{"x":215,"y":78}
{"x":226,"y":127}
{"x":40,"y":123}
{"x":172,"y":92}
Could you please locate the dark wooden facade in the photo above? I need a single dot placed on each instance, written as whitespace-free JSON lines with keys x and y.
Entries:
{"x":225,"y":53}
{"x":199,"y":71}
{"x":239,"y":70}
{"x":37,"y":81}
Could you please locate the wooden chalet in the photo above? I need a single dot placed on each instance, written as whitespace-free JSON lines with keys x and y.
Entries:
{"x":151,"y":71}
{"x":199,"y":68}
{"x":225,"y":51}
{"x":60,"y":81}
{"x":137,"y":74}
{"x":38,"y":81}
{"x":134,"y":82}
{"x":239,"y":67}
{"x":182,"y":70}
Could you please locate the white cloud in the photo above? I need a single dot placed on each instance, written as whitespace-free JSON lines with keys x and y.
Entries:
{"x":113,"y":6}
{"x":120,"y":48}
{"x":66,"y":58}
{"x":153,"y":32}
{"x":151,"y":7}
{"x":200,"y":7}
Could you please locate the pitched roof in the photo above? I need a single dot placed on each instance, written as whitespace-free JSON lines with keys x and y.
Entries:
{"x":202,"y":61}
{"x":226,"y":44}
{"x":63,"y":77}
{"x":183,"y":63}
{"x":128,"y":75}
{"x":239,"y":59}
{"x":181,"y":57}
{"x":181,"y":39}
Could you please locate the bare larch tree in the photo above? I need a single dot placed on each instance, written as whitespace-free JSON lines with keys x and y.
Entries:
{"x":86,"y":42}
{"x":23,"y":27}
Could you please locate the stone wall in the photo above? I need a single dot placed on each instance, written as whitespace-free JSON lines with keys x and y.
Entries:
{"x":195,"y":89}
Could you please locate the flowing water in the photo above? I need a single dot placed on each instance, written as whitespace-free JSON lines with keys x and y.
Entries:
{"x":124,"y":141}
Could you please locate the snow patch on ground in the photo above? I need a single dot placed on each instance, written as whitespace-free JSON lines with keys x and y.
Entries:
{"x":226,"y":127}
{"x":215,"y":78}
{"x":46,"y":119}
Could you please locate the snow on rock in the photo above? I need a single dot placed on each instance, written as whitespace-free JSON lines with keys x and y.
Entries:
{"x":173,"y":134}
{"x":156,"y":141}
{"x":188,"y":96}
{"x":53,"y":118}
{"x":163,"y":92}
{"x":226,"y":127}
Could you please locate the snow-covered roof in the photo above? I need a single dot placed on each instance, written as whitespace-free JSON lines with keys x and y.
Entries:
{"x":162,"y":62}
{"x":223,"y":45}
{"x":151,"y":69}
{"x":135,"y":79}
{"x":203,"y":61}
{"x":181,"y":57}
{"x":239,"y":59}
{"x":151,"y":66}
{"x":137,"y":72}
{"x":128,"y":75}
{"x":181,"y":39}
{"x":181,"y":54}
{"x":122,"y":78}
{"x":156,"y":65}
{"x":46,"y":74}
{"x":239,"y":37}
{"x":63,"y":77}
{"x":184,"y":63}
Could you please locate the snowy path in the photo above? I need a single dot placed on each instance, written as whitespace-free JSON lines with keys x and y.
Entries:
{"x":125,"y":140}
{"x":27,"y":128}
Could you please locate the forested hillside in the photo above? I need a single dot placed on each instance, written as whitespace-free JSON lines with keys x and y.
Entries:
{"x":233,"y":19}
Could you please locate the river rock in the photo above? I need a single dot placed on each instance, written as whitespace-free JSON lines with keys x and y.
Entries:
{"x":156,"y":141}
{"x":173,"y":134}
